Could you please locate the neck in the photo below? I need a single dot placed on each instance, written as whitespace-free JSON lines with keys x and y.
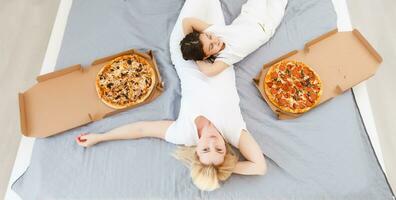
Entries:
{"x":200,"y":122}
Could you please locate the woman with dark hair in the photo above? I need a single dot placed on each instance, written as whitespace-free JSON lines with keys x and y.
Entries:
{"x":225,"y":45}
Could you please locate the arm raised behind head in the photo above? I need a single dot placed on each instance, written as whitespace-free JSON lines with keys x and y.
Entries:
{"x":190,"y":24}
{"x":211,"y":69}
{"x":255,"y":164}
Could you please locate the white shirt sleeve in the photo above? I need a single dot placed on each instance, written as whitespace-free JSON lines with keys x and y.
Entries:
{"x":182,"y":132}
{"x":228,"y":55}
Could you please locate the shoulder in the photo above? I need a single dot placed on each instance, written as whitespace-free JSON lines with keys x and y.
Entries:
{"x":181,"y":132}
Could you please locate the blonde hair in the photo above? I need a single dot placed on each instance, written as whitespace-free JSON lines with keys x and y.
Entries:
{"x":207,"y":177}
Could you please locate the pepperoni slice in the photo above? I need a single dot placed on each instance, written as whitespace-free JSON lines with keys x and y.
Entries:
{"x":282,"y":102}
{"x":273,"y":91}
{"x":308,"y":103}
{"x":301,"y":105}
{"x":269,"y":84}
{"x":285,"y":87}
{"x":311,"y":99}
{"x":274,"y":75}
{"x":295,"y":72}
{"x":306,"y":70}
{"x":313,"y":96}
{"x":293,"y":91}
{"x":286,"y":95}
{"x":282,"y":68}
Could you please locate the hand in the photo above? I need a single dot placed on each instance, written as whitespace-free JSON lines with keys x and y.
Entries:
{"x":87,"y":140}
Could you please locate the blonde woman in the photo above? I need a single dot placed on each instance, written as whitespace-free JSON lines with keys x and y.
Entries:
{"x":209,"y":120}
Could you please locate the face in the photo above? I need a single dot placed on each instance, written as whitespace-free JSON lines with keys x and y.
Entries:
{"x":211,"y":147}
{"x":211,"y":44}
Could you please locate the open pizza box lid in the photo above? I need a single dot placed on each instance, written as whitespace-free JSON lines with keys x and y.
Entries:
{"x":67,"y":98}
{"x":341,"y":59}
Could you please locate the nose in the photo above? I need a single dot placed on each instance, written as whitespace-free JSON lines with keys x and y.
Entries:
{"x":212,"y":142}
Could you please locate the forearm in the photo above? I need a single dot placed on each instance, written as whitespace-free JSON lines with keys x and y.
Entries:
{"x":137,"y":130}
{"x":210,"y":69}
{"x":190,"y":24}
{"x":129,"y":131}
{"x":249,"y":168}
{"x":213,"y":71}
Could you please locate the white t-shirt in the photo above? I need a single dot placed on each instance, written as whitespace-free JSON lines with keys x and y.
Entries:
{"x":252,"y":28}
{"x":214,"y":98}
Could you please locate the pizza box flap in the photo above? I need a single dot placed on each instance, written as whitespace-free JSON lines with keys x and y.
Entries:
{"x":67,"y":98}
{"x":341,"y":59}
{"x":58,"y":73}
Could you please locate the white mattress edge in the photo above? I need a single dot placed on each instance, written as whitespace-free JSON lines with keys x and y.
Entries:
{"x":25,"y":148}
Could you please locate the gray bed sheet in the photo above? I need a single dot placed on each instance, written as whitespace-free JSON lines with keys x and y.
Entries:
{"x":324,"y":154}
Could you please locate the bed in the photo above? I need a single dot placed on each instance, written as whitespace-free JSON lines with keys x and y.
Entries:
{"x":348,"y":165}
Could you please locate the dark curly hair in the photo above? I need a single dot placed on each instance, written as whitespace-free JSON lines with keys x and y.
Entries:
{"x":191,"y":47}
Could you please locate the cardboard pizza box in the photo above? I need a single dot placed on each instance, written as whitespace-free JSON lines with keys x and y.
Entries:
{"x":341,"y":59}
{"x":67,"y":98}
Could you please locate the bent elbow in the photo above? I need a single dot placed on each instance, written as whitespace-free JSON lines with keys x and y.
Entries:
{"x":262,"y":169}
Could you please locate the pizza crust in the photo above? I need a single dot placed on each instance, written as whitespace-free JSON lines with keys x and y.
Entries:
{"x":289,"y":83}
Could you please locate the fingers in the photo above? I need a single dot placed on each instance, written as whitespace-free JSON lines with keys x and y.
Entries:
{"x":81,"y":139}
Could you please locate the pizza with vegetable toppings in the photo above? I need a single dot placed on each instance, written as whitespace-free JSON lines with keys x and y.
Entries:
{"x":125,"y":81}
{"x":292,"y":86}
